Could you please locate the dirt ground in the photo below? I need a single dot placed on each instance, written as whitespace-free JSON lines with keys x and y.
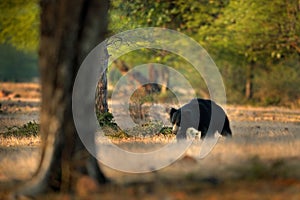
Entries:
{"x":261,"y":161}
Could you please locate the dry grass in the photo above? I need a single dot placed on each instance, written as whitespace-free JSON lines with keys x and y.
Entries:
{"x":13,"y":141}
{"x":261,"y":161}
{"x":271,"y":114}
{"x":244,"y":167}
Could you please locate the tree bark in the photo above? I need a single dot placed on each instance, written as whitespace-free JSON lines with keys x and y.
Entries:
{"x":165,"y":80}
{"x":249,"y":82}
{"x":101,"y":92}
{"x":69,"y":30}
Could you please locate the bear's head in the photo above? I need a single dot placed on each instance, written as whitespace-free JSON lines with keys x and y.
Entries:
{"x":185,"y":117}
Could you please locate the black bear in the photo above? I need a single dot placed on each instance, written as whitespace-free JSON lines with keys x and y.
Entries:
{"x":202,"y":114}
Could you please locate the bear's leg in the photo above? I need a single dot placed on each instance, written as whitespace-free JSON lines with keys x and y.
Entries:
{"x":203,"y":133}
{"x":226,"y":131}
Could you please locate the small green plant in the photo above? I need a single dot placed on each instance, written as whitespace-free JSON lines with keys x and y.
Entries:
{"x":106,"y":119}
{"x":111,"y":129}
{"x":166,"y":131}
{"x":115,"y":134}
{"x":108,"y":124}
{"x":32,"y":128}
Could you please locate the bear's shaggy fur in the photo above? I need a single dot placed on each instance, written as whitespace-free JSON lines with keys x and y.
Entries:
{"x":202,"y":114}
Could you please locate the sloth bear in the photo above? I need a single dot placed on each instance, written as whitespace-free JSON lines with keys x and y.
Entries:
{"x":201,"y":114}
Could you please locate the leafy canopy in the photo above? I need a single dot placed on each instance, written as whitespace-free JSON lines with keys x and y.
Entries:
{"x":19,"y":24}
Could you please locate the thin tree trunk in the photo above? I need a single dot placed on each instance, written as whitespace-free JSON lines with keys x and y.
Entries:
{"x":139,"y":77}
{"x":101,"y":92}
{"x":165,"y":80}
{"x":249,"y":82}
{"x":69,"y":30}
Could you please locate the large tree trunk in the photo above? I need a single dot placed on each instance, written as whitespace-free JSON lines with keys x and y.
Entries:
{"x":69,"y":30}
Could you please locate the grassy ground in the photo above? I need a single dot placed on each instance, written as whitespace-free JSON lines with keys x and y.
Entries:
{"x":261,"y":161}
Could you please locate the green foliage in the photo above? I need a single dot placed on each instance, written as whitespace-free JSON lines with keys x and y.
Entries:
{"x":259,"y":34}
{"x":19,"y":38}
{"x":32,"y":128}
{"x":106,"y":119}
{"x":142,"y":56}
{"x":233,"y":81}
{"x":167,"y":97}
{"x":279,"y":85}
{"x":166,"y":131}
{"x":181,"y":15}
{"x":16,"y":65}
{"x":19,"y":23}
{"x":237,"y":34}
{"x":109,"y":126}
{"x":112,"y":130}
{"x":256,"y":30}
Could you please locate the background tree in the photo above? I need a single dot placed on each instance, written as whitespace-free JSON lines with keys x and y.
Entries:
{"x":16,"y":65}
{"x":19,"y":22}
{"x":249,"y":40}
{"x":185,"y":16}
{"x":19,"y":39}
{"x":255,"y":35}
{"x":66,"y":38}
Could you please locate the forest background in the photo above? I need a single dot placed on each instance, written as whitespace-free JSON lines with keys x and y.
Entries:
{"x":255,"y":44}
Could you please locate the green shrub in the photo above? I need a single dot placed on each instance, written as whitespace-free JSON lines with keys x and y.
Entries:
{"x":30,"y":129}
{"x":106,"y":119}
{"x":166,"y":131}
{"x":279,"y":86}
{"x":109,"y":126}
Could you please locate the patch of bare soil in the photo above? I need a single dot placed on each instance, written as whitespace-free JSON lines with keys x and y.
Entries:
{"x":261,"y":161}
{"x":11,"y":90}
